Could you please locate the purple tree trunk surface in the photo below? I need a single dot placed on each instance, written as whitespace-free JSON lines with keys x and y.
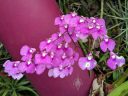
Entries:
{"x":29,"y":22}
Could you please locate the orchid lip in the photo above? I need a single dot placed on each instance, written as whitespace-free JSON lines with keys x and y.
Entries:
{"x":44,"y":53}
{"x":15,"y":64}
{"x":29,"y":62}
{"x":106,"y":40}
{"x":66,"y":45}
{"x":98,"y":27}
{"x":113,"y":56}
{"x":60,"y":67}
{"x":89,"y":57}
{"x":74,"y":14}
{"x":60,"y":34}
{"x":90,"y":26}
{"x":65,"y":26}
{"x":49,"y":41}
{"x":52,"y":54}
{"x":64,"y":56}
{"x":32,"y":50}
{"x":94,"y":21}
{"x":60,"y":45}
{"x":81,"y":20}
{"x":62,"y":17}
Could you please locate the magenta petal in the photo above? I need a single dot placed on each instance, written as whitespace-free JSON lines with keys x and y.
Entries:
{"x":50,"y":73}
{"x":56,"y":62}
{"x":40,"y":68}
{"x":17,"y":76}
{"x":24,"y":50}
{"x":111,"y":63}
{"x":30,"y":68}
{"x":81,"y":62}
{"x":8,"y":65}
{"x":76,"y":56}
{"x":95,"y":35}
{"x":67,"y":19}
{"x":38,"y":59}
{"x":27,"y":57}
{"x":103,"y":46}
{"x":56,"y":72}
{"x":47,"y":60}
{"x":63,"y":73}
{"x":120,"y":60}
{"x":67,"y":38}
{"x":101,"y":22}
{"x":62,"y":29}
{"x":93,"y":64}
{"x":70,"y":70}
{"x":22,"y":67}
{"x":57,"y":21}
{"x":54,"y":36}
{"x":69,"y":52}
{"x":74,"y":21}
{"x":111,"y":44}
{"x":42,"y":45}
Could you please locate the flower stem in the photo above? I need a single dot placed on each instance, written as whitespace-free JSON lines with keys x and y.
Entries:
{"x":82,"y":47}
{"x":102,"y":9}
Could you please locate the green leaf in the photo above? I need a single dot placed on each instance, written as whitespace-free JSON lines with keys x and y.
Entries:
{"x":23,"y":88}
{"x":23,"y":83}
{"x":5,"y":93}
{"x":104,"y":57}
{"x":117,"y":91}
{"x":14,"y":93}
{"x":115,"y":75}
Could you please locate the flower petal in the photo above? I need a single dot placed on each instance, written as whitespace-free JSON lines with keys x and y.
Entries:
{"x":40,"y":68}
{"x":24,"y":50}
{"x":103,"y":46}
{"x":81,"y":62}
{"x":111,"y":63}
{"x":120,"y":60}
{"x":111,"y":44}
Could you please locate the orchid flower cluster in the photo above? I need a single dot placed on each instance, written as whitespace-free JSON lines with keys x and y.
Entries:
{"x":56,"y":54}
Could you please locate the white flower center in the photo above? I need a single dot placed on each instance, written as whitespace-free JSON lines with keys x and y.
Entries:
{"x":60,"y":67}
{"x":60,"y":34}
{"x":49,"y":41}
{"x":87,"y":64}
{"x":15,"y":64}
{"x":52,"y":54}
{"x":60,"y":45}
{"x":29,"y":62}
{"x":65,"y":26}
{"x":98,"y":26}
{"x":62,"y":17}
{"x":64,"y":56}
{"x":81,"y":20}
{"x":32,"y":50}
{"x":90,"y":26}
{"x":44,"y":53}
{"x":74,"y":14}
{"x":66,"y":45}
{"x":94,"y":21}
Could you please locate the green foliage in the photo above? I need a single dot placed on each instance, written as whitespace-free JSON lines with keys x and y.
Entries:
{"x":121,"y":90}
{"x":10,"y":87}
{"x":4,"y":55}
